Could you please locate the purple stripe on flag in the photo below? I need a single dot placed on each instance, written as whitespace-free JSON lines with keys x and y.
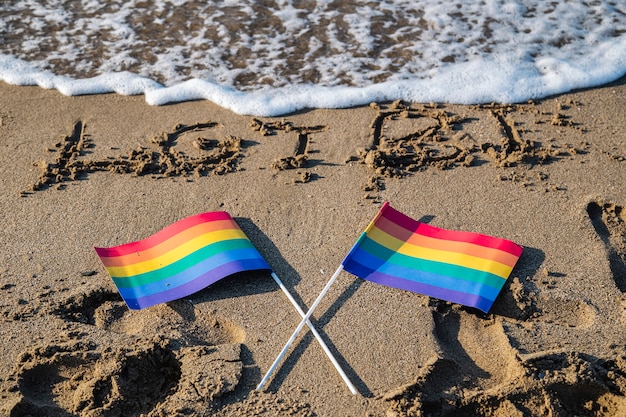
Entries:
{"x":470,"y":300}
{"x":197,"y":284}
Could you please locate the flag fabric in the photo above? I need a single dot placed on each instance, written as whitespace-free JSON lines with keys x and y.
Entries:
{"x":462,"y":267}
{"x":180,"y":260}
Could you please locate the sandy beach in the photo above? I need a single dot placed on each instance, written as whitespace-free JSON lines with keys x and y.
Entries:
{"x":103,"y":170}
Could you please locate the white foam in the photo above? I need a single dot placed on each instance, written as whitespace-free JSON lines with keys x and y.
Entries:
{"x":422,"y":51}
{"x":17,"y":72}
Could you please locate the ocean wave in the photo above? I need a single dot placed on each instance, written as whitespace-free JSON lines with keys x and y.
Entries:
{"x":274,"y":57}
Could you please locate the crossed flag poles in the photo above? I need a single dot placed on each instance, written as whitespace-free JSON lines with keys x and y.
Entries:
{"x":394,"y":250}
{"x":306,"y":321}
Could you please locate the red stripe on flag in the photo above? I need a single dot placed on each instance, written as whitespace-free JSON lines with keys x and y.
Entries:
{"x":168,"y":232}
{"x":415,"y":226}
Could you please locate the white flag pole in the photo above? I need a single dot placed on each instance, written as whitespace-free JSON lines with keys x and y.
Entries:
{"x":305,"y":319}
{"x":317,"y":336}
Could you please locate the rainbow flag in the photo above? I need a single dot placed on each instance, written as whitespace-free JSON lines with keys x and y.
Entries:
{"x":462,"y":267}
{"x":181,"y":259}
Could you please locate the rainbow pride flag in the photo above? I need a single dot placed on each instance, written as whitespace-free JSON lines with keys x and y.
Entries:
{"x":180,"y":260}
{"x":462,"y":267}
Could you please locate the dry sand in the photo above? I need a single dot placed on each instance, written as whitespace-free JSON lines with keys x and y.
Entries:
{"x":79,"y":172}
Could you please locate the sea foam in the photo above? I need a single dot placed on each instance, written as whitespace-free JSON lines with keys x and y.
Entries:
{"x":275,"y":57}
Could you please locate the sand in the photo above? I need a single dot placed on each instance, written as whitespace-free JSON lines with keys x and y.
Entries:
{"x":79,"y":172}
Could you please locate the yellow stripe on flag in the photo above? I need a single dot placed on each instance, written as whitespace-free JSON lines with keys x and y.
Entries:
{"x":454,"y":258}
{"x":175,"y":254}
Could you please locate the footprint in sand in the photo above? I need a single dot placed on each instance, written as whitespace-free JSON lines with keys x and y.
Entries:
{"x":160,"y":361}
{"x":609,"y":221}
{"x":475,"y":355}
{"x":146,"y":378}
{"x":557,"y":385}
{"x":79,"y":379}
{"x":526,"y":300}
{"x":179,"y":321}
{"x":502,"y":383}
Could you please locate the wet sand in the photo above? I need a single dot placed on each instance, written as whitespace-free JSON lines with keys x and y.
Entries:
{"x":103,"y":170}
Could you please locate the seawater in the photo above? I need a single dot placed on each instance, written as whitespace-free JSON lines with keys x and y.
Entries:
{"x":272,"y":57}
